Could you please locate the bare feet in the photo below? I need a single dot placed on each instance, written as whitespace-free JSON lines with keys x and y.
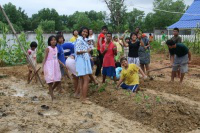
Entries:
{"x":86,"y":102}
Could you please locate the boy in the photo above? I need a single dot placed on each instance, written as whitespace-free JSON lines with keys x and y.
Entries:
{"x":32,"y":54}
{"x":176,"y":38}
{"x":129,"y":76}
{"x":109,"y":51}
{"x":180,"y":56}
{"x":119,"y":48}
{"x":100,"y":41}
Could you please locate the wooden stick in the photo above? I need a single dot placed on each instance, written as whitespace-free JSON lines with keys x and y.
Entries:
{"x":157,"y":69}
{"x":21,"y":46}
{"x":34,"y":75}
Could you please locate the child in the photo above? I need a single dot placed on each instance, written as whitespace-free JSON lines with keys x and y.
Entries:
{"x":61,"y":57}
{"x":119,"y":48}
{"x":51,"y":66}
{"x":75,"y":36}
{"x":32,"y":54}
{"x":118,"y":70}
{"x":109,"y":51}
{"x":83,"y":64}
{"x":129,"y":76}
{"x":126,"y":49}
{"x":100,"y":41}
{"x":71,"y":66}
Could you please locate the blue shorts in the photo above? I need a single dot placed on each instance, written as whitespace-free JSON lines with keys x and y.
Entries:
{"x":133,"y":88}
{"x":109,"y":71}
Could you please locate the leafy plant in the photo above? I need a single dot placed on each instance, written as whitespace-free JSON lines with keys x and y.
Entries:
{"x":158,"y":99}
{"x":103,"y":87}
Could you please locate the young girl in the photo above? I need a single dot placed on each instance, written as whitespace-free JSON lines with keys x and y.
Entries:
{"x":83,"y":65}
{"x":52,"y":73}
{"x":32,"y":54}
{"x":133,"y":45}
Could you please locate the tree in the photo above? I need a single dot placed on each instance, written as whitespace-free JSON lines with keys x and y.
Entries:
{"x":163,"y":19}
{"x":47,"y":25}
{"x":135,"y":19}
{"x":47,"y":14}
{"x":117,"y":12}
{"x":18,"y":17}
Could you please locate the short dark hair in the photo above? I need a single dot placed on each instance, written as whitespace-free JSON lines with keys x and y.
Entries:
{"x":104,"y":27}
{"x":133,"y":33}
{"x":170,"y":42}
{"x":150,"y":34}
{"x":176,"y":29}
{"x":58,"y":36}
{"x":73,"y":31}
{"x":109,"y":33}
{"x":49,"y":39}
{"x":127,"y":38}
{"x":33,"y":44}
{"x":122,"y":59}
{"x":81,"y":30}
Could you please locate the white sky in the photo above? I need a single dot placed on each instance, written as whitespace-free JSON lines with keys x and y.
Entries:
{"x":70,"y":6}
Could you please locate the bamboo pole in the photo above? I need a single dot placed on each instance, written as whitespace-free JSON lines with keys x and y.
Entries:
{"x":21,"y":46}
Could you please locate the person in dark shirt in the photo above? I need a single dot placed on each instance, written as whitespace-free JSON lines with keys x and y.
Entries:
{"x":180,"y":57}
{"x":133,"y":45}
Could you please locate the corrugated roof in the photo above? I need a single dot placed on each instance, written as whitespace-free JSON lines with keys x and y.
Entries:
{"x":189,"y":21}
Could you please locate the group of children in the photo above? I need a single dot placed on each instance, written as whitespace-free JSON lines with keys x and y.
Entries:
{"x":78,"y":65}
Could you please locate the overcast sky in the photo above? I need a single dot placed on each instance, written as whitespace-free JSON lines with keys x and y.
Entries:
{"x":70,"y":6}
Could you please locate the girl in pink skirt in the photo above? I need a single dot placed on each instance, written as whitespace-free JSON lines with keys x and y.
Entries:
{"x":51,"y":66}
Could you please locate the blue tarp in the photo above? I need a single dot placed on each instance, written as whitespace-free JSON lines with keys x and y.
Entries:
{"x":189,"y":21}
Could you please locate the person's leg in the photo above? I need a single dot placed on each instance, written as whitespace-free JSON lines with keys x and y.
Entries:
{"x":29,"y":76}
{"x":85,"y":87}
{"x":92,"y":78}
{"x":51,"y":91}
{"x":115,"y":79}
{"x":104,"y":79}
{"x":77,"y":85}
{"x":147,"y":67}
{"x":142,"y":67}
{"x":99,"y":64}
{"x":173,"y":75}
{"x":179,"y":73}
{"x":182,"y":76}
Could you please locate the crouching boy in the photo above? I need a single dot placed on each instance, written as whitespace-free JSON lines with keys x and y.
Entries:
{"x":129,"y":76}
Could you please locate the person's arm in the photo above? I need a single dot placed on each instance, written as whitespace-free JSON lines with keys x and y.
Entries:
{"x":141,"y":43}
{"x":141,"y":71}
{"x":125,"y":44}
{"x":100,"y":42}
{"x":45,"y":57}
{"x":190,"y":57}
{"x":104,"y":50}
{"x":65,"y":68}
{"x":119,"y":82}
{"x":171,"y":59}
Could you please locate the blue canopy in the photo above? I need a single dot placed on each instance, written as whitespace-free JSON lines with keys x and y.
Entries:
{"x":189,"y":21}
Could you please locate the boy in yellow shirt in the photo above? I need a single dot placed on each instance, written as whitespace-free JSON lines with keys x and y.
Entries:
{"x":129,"y":76}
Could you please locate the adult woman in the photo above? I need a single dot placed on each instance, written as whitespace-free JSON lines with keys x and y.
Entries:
{"x":133,"y":45}
{"x":83,"y":65}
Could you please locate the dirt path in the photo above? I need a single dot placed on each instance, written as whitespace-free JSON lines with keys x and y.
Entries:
{"x":20,"y":112}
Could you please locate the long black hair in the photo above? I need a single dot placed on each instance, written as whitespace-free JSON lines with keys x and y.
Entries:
{"x":49,"y":39}
{"x":81,"y":30}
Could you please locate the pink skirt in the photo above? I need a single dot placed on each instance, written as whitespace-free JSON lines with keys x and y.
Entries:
{"x":52,"y":71}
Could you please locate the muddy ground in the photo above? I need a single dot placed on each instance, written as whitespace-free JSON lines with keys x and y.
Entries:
{"x":160,"y":106}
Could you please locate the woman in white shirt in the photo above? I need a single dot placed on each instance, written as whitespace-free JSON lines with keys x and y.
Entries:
{"x":91,"y":37}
